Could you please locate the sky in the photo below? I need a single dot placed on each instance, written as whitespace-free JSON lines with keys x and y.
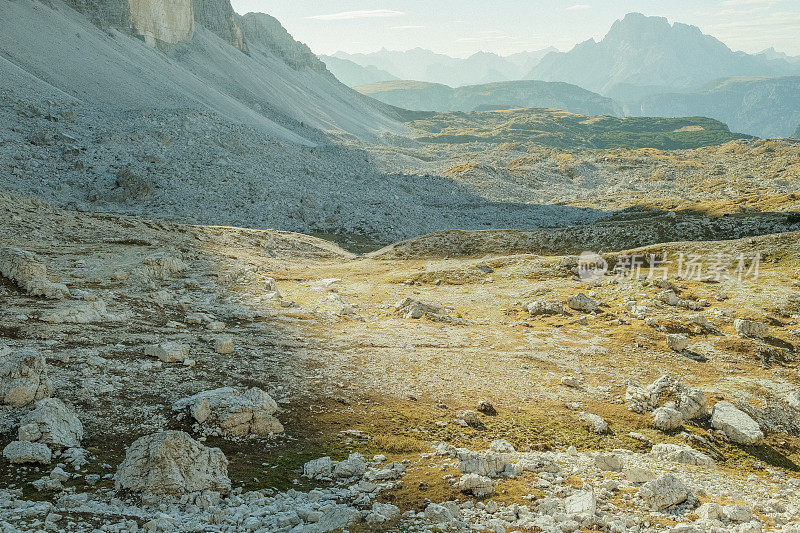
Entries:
{"x":462,"y":27}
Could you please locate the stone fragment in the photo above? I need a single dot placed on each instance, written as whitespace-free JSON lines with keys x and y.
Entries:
{"x":664,"y":492}
{"x":677,"y":342}
{"x":23,"y":377}
{"x":58,"y":425}
{"x":667,"y":419}
{"x":19,"y":452}
{"x":750,"y":328}
{"x":581,"y":302}
{"x":233,"y":413}
{"x":168,"y":352}
{"x":478,"y":486}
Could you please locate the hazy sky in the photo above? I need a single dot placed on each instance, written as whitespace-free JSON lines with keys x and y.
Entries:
{"x":461,"y":27}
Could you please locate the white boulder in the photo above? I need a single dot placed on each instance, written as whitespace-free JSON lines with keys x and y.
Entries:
{"x":172,"y":462}
{"x":737,"y":425}
{"x":750,"y":328}
{"x":581,"y":302}
{"x":691,"y":403}
{"x":677,"y":342}
{"x":478,"y":486}
{"x":583,"y":503}
{"x":667,"y":419}
{"x":29,"y":274}
{"x":680,"y":454}
{"x":168,"y":352}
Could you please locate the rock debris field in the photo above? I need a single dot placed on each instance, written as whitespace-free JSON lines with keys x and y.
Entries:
{"x":167,"y":377}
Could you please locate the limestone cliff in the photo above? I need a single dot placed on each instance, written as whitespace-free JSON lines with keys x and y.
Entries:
{"x":219,"y":17}
{"x":165,"y":21}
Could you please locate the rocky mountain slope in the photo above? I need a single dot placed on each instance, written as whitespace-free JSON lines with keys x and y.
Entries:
{"x":423,"y":65}
{"x":197,"y":55}
{"x":766,"y":107}
{"x":352,"y":74}
{"x":647,"y":55}
{"x":502,"y":95}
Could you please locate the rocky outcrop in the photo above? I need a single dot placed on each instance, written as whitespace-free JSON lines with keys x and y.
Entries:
{"x":689,"y":402}
{"x":736,"y":424}
{"x":171,"y":462}
{"x":19,"y":452}
{"x":29,"y":274}
{"x":219,"y":17}
{"x":23,"y":377}
{"x":162,"y":21}
{"x":265,"y":32}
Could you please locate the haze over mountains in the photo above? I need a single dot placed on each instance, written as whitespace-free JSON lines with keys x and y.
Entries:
{"x":647,"y":65}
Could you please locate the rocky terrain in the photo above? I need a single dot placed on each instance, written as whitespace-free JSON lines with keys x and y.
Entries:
{"x":562,"y":329}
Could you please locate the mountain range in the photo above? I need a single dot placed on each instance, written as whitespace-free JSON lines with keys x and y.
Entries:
{"x":422,"y":96}
{"x":641,"y":56}
{"x":419,"y":64}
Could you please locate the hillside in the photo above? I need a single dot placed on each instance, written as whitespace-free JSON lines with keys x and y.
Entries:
{"x":352,"y":74}
{"x":422,"y":96}
{"x":245,"y":69}
{"x":641,"y":56}
{"x":765,"y":107}
{"x":424,"y":65}
{"x":567,"y":130}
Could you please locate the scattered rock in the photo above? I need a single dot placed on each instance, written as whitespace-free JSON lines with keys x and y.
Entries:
{"x":736,"y":424}
{"x":171,"y":462}
{"x":750,"y":328}
{"x":23,"y":377}
{"x":478,"y":486}
{"x":664,"y":492}
{"x":224,"y":346}
{"x":582,"y":503}
{"x":680,"y":454}
{"x":581,"y":302}
{"x":486,"y":407}
{"x":667,"y":419}
{"x":677,"y":342}
{"x":228,"y":412}
{"x":540,"y":308}
{"x":19,"y":452}
{"x":58,"y":425}
{"x":595,"y":422}
{"x":321,"y":468}
{"x":168,"y":352}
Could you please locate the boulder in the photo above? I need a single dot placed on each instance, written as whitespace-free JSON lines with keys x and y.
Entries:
{"x":233,"y":413}
{"x":23,"y":377}
{"x":27,"y":452}
{"x":29,"y":274}
{"x":637,"y":474}
{"x":168,"y":352}
{"x":486,"y":407}
{"x":691,"y":403}
{"x":709,"y":511}
{"x":477,"y":485}
{"x":470,"y":418}
{"x":737,"y":425}
{"x":794,"y":400}
{"x":581,"y":302}
{"x":750,"y":328}
{"x":677,"y":342}
{"x":58,"y":425}
{"x":410,"y":308}
{"x":667,"y":419}
{"x":609,"y":462}
{"x":353,"y":466}
{"x":664,"y":492}
{"x":171,"y":463}
{"x":161,"y":266}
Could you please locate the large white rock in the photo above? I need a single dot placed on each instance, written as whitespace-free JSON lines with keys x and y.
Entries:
{"x":321,"y":468}
{"x":541,"y":308}
{"x":23,"y":377}
{"x":737,"y":425}
{"x":595,"y":422}
{"x":663,"y":492}
{"x":353,"y":466}
{"x":58,"y":424}
{"x":677,"y":342}
{"x":29,"y":274}
{"x":691,"y":403}
{"x":172,"y":462}
{"x":27,"y":452}
{"x":166,"y":21}
{"x":794,"y":400}
{"x":233,"y":413}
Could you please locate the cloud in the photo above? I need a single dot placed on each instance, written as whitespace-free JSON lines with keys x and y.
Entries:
{"x":746,"y":2}
{"x":351,"y":15}
{"x":407,"y":27}
{"x":579,"y":7}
